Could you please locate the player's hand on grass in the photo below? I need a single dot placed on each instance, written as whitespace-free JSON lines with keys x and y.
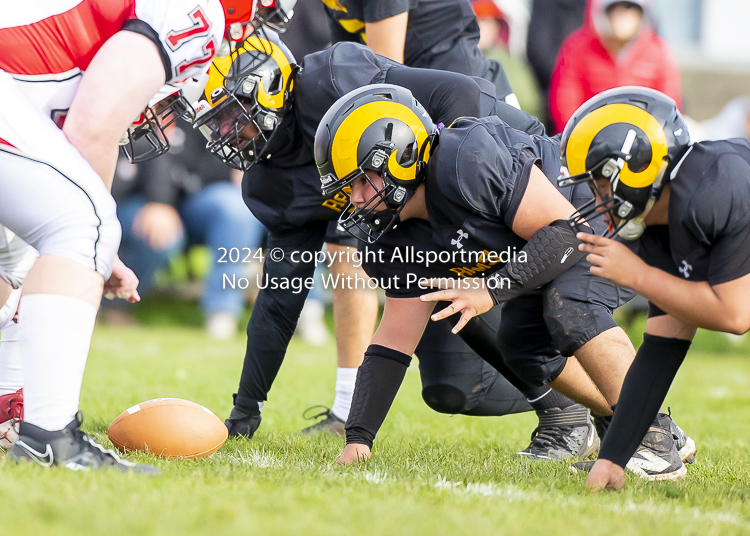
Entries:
{"x":606,"y":475}
{"x":471,"y":298}
{"x":123,"y":283}
{"x":354,"y":452}
{"x":612,"y":260}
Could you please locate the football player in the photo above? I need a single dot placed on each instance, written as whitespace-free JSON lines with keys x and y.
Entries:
{"x":61,"y":119}
{"x":679,"y":235}
{"x":267,"y":122}
{"x":478,"y":186}
{"x":16,"y":258}
{"x":429,"y":34}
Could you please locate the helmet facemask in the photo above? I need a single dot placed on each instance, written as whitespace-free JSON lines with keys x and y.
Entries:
{"x":247,"y":110}
{"x":147,"y":138}
{"x":630,"y":213}
{"x":381,"y":212}
{"x":276,"y":14}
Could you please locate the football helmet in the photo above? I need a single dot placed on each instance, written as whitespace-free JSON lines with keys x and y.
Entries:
{"x":276,"y":14}
{"x":237,"y":15}
{"x":239,"y":115}
{"x":381,"y":128}
{"x":631,"y":136}
{"x":146,"y":138}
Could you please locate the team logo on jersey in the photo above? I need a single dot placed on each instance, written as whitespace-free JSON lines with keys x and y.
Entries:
{"x":457,"y":241}
{"x":685,"y":269}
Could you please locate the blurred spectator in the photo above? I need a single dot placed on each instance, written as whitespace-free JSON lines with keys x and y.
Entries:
{"x":186,"y":197}
{"x":507,"y":20}
{"x":494,"y":30}
{"x":617,"y":46}
{"x":551,"y":22}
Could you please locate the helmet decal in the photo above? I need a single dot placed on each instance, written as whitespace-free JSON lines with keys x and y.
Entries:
{"x":589,"y":126}
{"x":348,"y":134}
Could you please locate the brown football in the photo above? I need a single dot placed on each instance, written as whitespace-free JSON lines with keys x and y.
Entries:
{"x":168,"y":427}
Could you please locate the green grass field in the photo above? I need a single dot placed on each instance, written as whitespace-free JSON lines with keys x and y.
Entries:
{"x":430,"y":474}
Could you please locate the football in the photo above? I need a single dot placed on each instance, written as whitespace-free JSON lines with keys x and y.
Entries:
{"x":168,"y":427}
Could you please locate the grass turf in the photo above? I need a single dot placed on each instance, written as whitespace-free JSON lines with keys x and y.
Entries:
{"x":431,"y":474}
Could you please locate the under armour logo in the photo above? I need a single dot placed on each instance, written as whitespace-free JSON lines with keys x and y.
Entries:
{"x":685,"y":269}
{"x":457,"y":241}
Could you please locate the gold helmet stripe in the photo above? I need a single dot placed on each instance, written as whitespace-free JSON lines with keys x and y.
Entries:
{"x":586,"y":130}
{"x":220,"y":69}
{"x":346,"y":139}
{"x":272,"y":102}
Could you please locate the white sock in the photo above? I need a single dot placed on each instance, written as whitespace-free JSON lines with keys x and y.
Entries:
{"x":345,"y":379}
{"x":11,"y":368}
{"x":55,"y":338}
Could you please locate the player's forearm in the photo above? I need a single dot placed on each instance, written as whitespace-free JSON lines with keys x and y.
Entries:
{"x":692,"y":302}
{"x":378,"y":381}
{"x":387,"y":37}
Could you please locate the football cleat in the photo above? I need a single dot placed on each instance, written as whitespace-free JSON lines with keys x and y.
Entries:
{"x":563,"y":434}
{"x":657,"y":457}
{"x":242,"y":424}
{"x":11,"y":413}
{"x":329,"y":425}
{"x":70,"y":448}
{"x":684,"y":443}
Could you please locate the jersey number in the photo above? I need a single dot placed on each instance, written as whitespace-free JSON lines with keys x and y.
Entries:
{"x":201,"y":26}
{"x":209,"y":49}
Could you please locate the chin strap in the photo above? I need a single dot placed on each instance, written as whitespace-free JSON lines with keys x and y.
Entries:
{"x":550,"y":252}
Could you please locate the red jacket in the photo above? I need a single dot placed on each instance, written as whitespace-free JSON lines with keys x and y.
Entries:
{"x":585,"y":68}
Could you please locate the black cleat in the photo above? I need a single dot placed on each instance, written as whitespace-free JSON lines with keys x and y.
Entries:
{"x":70,"y":448}
{"x":329,"y":425}
{"x":241,"y":424}
{"x":563,"y":434}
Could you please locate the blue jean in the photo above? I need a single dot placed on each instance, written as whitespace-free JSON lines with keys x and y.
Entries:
{"x":215,"y":216}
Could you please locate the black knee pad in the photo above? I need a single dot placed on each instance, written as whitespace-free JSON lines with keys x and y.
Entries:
{"x":444,"y":398}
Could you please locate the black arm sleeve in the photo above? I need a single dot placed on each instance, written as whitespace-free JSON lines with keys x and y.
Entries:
{"x":446,"y":96}
{"x":378,"y":380}
{"x":643,"y":391}
{"x":550,"y":252}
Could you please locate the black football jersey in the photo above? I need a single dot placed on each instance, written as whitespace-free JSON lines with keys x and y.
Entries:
{"x":708,"y":236}
{"x":323,"y":78}
{"x":475,"y":181}
{"x":441,"y":34}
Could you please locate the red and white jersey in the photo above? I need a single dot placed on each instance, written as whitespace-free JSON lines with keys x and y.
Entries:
{"x":47,"y":44}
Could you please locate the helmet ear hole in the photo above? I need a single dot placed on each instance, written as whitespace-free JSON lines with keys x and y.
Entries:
{"x":409,"y":155}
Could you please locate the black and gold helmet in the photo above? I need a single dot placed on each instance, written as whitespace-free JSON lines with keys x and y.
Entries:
{"x":239,"y":115}
{"x":633,"y":137}
{"x":381,"y":128}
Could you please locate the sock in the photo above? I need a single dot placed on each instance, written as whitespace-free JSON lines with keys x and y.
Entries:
{"x":55,"y":335}
{"x":544,"y":398}
{"x":11,"y":367}
{"x":345,"y":380}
